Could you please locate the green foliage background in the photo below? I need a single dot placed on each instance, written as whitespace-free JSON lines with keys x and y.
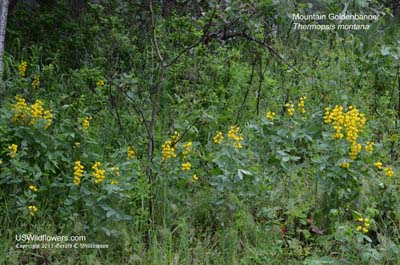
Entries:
{"x":199,"y":67}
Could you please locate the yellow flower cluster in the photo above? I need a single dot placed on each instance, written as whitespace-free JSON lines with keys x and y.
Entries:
{"x":100,"y":83}
{"x":290,"y":108}
{"x":32,"y":209}
{"x":345,"y":165}
{"x":336,"y":117}
{"x":131,"y":152}
{"x":218,"y":137}
{"x":33,"y":188}
{"x":36,"y":82}
{"x":186,"y":166}
{"x":13,"y":150}
{"x":234,"y":134}
{"x":98,"y":173}
{"x":195,"y":178}
{"x":352,"y":121}
{"x":86,"y":123}
{"x":168,"y":150}
{"x":378,"y":165}
{"x":22,"y":68}
{"x":363,"y":225}
{"x":175,"y":137}
{"x":369,"y":147}
{"x":270,"y":115}
{"x":355,"y":148}
{"x":114,"y":182}
{"x":186,"y":149}
{"x":388,"y":171}
{"x":25,"y":114}
{"x":301,"y":105}
{"x":78,"y":172}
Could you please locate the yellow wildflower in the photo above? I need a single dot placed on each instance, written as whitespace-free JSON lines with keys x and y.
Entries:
{"x":131,"y":152}
{"x":114,"y":182}
{"x":345,"y":165}
{"x":186,"y":149}
{"x":13,"y":150}
{"x":234,"y":134}
{"x":100,"y":83}
{"x":270,"y":115}
{"x":378,"y":165}
{"x":36,"y":111}
{"x":365,"y":230}
{"x":78,"y":172}
{"x":359,"y":228}
{"x":168,"y":150}
{"x":48,"y":116}
{"x":369,"y":147}
{"x":36,"y":82}
{"x":388,"y":171}
{"x":32,"y":209}
{"x":86,"y":123}
{"x":218,"y":138}
{"x":290,"y":108}
{"x":301,"y":105}
{"x":33,"y":188}
{"x":186,"y":166}
{"x":175,"y":137}
{"x":98,"y":174}
{"x":22,"y":68}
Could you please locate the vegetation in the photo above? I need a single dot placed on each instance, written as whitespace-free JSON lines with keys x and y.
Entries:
{"x":199,"y":132}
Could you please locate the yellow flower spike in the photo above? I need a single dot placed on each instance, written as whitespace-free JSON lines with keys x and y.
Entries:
{"x":270,"y":115}
{"x":301,"y":105}
{"x":217,"y":139}
{"x":131,"y":152}
{"x":100,"y":83}
{"x":22,"y":68}
{"x":388,"y":171}
{"x":86,"y":123}
{"x":98,"y":173}
{"x":13,"y":149}
{"x":175,"y":137}
{"x":36,"y":82}
{"x":186,"y":149}
{"x":378,"y":165}
{"x":234,"y":134}
{"x":114,"y":182}
{"x":369,"y":147}
{"x":168,"y":150}
{"x":290,"y":108}
{"x":345,"y":165}
{"x":78,"y":172}
{"x":186,"y":166}
{"x":33,"y":188}
{"x":32,"y":209}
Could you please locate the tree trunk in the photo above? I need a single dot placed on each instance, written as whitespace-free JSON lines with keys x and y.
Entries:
{"x":3,"y":24}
